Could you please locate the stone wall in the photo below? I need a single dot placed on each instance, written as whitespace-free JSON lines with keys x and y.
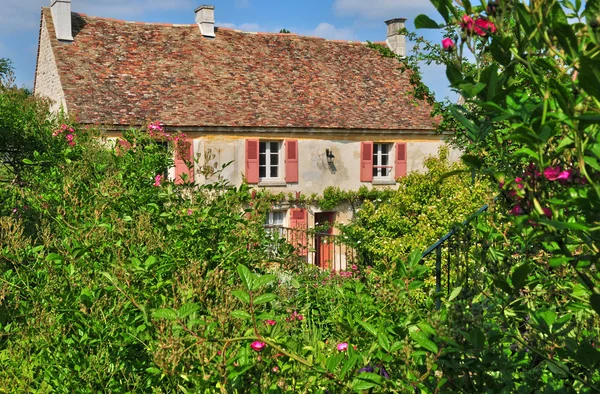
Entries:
{"x":47,"y":80}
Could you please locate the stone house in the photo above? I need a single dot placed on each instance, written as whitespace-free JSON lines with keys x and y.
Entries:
{"x":292,"y":114}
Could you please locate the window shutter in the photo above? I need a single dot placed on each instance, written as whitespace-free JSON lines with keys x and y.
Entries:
{"x":366,"y":162}
{"x":122,"y":146}
{"x":401,"y":159}
{"x":252,"y":153}
{"x":184,"y":155}
{"x":299,"y":225}
{"x":291,"y":161}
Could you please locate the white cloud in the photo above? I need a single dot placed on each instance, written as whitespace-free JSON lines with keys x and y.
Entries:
{"x":382,"y":9}
{"x":249,"y":27}
{"x":327,"y":30}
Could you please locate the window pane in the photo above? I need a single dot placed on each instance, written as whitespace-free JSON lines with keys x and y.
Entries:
{"x":278,"y":218}
{"x":274,"y":147}
{"x":262,"y":172}
{"x":274,"y":172}
{"x":274,"y":159}
{"x":385,"y":159}
{"x":385,"y":148}
{"x":262,"y":159}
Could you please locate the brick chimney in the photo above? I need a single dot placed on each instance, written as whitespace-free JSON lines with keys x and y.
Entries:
{"x":396,"y":41}
{"x":205,"y":18}
{"x":61,"y":15}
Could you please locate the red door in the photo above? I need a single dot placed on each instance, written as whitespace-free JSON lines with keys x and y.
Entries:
{"x":324,"y":221}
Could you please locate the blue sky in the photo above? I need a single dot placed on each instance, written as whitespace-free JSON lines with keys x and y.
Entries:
{"x":356,"y":20}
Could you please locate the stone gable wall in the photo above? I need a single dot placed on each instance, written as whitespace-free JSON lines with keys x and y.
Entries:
{"x":47,"y":80}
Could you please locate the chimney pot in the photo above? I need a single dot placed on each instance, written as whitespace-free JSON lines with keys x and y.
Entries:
{"x":396,"y":41}
{"x":61,"y":15}
{"x":205,"y":18}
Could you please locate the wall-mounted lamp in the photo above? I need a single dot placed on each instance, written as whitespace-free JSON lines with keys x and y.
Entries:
{"x":329,"y":155}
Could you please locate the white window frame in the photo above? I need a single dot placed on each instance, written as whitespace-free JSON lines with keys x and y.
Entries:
{"x":268,"y":164}
{"x":378,"y":158}
{"x":270,"y":220}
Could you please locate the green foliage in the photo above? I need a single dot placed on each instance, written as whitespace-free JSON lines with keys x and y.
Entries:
{"x":530,"y":122}
{"x":423,"y":209}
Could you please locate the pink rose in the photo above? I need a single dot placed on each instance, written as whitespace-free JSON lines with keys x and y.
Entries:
{"x":342,"y":347}
{"x":448,"y":45}
{"x":565,"y":175}
{"x":551,"y":173}
{"x":517,"y":210}
{"x":270,"y":322}
{"x":547,"y":212}
{"x":484,"y":27}
{"x":257,"y":346}
{"x":157,"y":180}
{"x":467,"y":23}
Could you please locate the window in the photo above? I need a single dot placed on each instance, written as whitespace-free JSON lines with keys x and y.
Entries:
{"x":269,"y":160}
{"x":382,"y":168}
{"x":382,"y":162}
{"x":275,"y":219}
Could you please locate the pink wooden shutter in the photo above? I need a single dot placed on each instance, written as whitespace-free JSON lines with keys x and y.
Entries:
{"x":252,"y":153}
{"x":291,"y":161}
{"x":184,"y":155}
{"x":400,"y":159}
{"x":123,"y":146}
{"x":299,"y":225}
{"x":366,"y":162}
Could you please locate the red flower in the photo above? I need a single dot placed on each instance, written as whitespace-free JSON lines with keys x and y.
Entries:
{"x":467,"y":23}
{"x":484,"y":27}
{"x":448,"y":45}
{"x":517,"y":210}
{"x":257,"y":346}
{"x":551,"y":173}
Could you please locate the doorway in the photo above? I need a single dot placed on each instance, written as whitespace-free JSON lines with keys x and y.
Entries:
{"x":324,"y":222}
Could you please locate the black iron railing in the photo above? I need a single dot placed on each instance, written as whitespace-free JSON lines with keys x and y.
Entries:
{"x":324,"y":250}
{"x":458,"y":250}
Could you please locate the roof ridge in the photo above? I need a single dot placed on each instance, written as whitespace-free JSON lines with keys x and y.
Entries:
{"x":261,"y":33}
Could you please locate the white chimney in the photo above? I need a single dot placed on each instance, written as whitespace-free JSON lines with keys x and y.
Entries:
{"x":61,"y":15}
{"x":396,"y":41}
{"x":205,"y":18}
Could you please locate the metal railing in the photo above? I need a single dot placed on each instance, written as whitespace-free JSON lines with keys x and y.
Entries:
{"x":458,"y":249}
{"x":324,"y":250}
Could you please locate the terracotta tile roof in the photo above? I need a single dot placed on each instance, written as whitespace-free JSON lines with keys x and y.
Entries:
{"x":125,"y":73}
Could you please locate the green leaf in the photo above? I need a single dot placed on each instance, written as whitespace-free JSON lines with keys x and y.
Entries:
{"x":421,"y":338}
{"x":27,"y":161}
{"x":566,"y":37}
{"x":425,"y":22}
{"x":503,"y":284}
{"x":369,"y":327}
{"x":384,"y":342}
{"x":558,"y":368}
{"x":589,"y":76}
{"x":472,"y":131}
{"x":54,"y":257}
{"x":477,"y":338}
{"x":365,"y":381}
{"x":455,"y":293}
{"x":165,"y":313}
{"x":444,"y":8}
{"x":264,"y":298}
{"x":246,"y":276}
{"x":454,"y":75}
{"x":520,"y":275}
{"x":241,"y":314}
{"x":595,"y":302}
{"x":472,"y":161}
{"x":333,"y":361}
{"x":349,"y":364}
{"x":187,"y":309}
{"x":262,"y":281}
{"x":242,"y":296}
